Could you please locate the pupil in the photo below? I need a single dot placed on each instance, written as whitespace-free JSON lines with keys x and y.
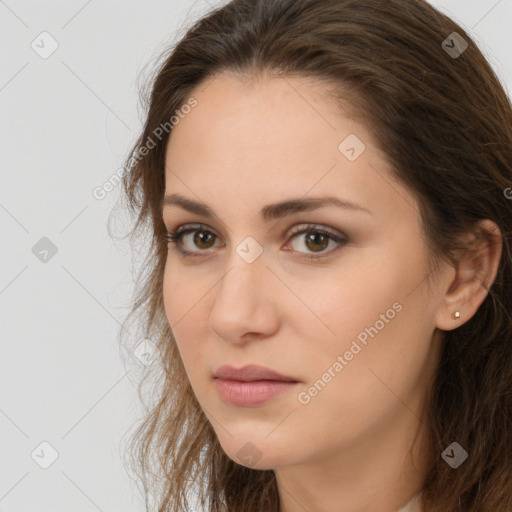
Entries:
{"x":314,"y":237}
{"x":199,"y":238}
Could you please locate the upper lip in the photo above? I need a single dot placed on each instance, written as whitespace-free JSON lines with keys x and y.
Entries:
{"x":250,"y":373}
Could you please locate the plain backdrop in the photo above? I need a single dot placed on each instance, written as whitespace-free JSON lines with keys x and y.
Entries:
{"x":69,"y":112}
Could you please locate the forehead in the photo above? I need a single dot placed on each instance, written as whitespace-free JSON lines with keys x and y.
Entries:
{"x":253,"y":123}
{"x":269,"y":138}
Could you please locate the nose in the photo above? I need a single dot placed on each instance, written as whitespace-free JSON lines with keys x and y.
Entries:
{"x":245,"y":305}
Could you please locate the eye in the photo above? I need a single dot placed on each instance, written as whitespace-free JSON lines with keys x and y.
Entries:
{"x":317,"y":239}
{"x":202,"y":238}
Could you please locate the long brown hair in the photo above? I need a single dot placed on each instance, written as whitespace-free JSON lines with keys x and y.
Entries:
{"x":445,"y":124}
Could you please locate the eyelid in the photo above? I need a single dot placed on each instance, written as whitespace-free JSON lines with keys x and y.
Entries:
{"x":305,"y":227}
{"x":193,"y":227}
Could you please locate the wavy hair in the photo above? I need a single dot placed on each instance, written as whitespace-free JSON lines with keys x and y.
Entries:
{"x":444,"y":121}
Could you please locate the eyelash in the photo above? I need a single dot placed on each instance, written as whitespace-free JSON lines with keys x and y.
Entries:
{"x":176,"y":236}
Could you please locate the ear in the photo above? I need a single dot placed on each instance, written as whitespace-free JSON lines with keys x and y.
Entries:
{"x":475,"y":273}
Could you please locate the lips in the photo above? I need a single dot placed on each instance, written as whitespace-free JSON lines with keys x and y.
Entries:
{"x":250,"y":373}
{"x":251,"y":385}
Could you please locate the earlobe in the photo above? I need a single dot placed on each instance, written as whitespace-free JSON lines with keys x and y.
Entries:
{"x":475,"y":273}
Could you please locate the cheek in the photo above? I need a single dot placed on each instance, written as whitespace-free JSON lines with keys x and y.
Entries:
{"x":368,"y":316}
{"x":338,"y":306}
{"x":172,"y":288}
{"x":183,"y":292}
{"x":184,"y":303}
{"x":185,"y":312}
{"x":369,"y":289}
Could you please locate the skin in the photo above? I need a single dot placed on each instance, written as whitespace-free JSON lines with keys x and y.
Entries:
{"x":251,"y":143}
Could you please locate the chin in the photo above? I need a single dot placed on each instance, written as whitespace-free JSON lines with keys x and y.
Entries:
{"x":256,"y":454}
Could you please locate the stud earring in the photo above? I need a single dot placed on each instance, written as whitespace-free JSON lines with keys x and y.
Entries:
{"x":455,"y":315}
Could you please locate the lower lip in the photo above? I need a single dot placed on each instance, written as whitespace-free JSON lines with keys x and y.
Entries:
{"x":247,"y":394}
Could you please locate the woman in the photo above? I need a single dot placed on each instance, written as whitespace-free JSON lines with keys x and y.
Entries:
{"x":327,"y":187}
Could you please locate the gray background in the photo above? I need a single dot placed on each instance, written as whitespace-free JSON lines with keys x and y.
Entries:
{"x":66,"y":123}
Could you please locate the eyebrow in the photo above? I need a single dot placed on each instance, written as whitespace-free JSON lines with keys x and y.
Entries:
{"x":268,"y":212}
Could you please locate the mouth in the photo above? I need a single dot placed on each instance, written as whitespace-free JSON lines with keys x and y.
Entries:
{"x":251,"y":385}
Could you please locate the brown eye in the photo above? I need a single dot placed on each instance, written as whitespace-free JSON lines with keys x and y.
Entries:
{"x":316,"y":241}
{"x":191,"y":241}
{"x":203,"y":239}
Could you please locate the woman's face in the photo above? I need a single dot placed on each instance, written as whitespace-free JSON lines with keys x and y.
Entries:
{"x":343,"y":311}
